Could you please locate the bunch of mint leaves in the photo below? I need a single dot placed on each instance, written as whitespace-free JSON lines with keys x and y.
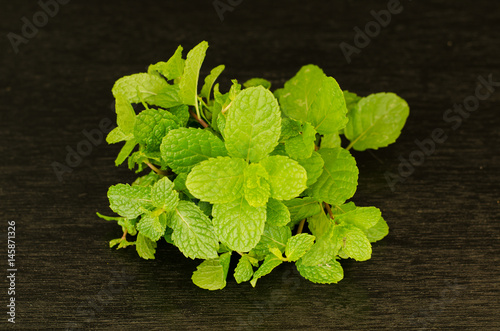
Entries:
{"x":242,"y":171}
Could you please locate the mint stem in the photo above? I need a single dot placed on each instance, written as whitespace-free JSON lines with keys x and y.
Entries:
{"x":301,"y":226}
{"x":198,"y":119}
{"x":329,"y":210}
{"x":158,"y":171}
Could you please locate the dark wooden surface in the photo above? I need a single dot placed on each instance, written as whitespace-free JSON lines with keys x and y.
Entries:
{"x":439,"y":268}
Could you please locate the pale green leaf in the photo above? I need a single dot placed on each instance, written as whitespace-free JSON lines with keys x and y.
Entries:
{"x":286,"y":177}
{"x":355,"y":244}
{"x":314,"y":167}
{"x":194,"y":233}
{"x":277,"y":213}
{"x":326,"y":273}
{"x":302,"y":145}
{"x":328,"y":111}
{"x":125,"y":114}
{"x":256,"y":188}
{"x":152,"y":125}
{"x":218,"y":180}
{"x":300,"y":91}
{"x":298,"y":245}
{"x":362,"y":217}
{"x":257,"y":82}
{"x":331,"y":140}
{"x":267,"y":266}
{"x":171,"y":69}
{"x":273,"y":236}
{"x":302,"y":208}
{"x":116,"y":135}
{"x":339,"y":179}
{"x":243,"y":271}
{"x":253,"y":124}
{"x":239,"y":225}
{"x":129,"y":201}
{"x":378,"y":231}
{"x":146,"y":248}
{"x":125,"y":151}
{"x":137,"y":86}
{"x":183,"y":148}
{"x":163,"y":195}
{"x":152,"y":225}
{"x":211,"y":274}
{"x":189,"y":80}
{"x":376,"y":121}
{"x":209,"y":81}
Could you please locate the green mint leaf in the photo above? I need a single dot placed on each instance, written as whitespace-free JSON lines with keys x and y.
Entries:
{"x":299,"y":93}
{"x":137,"y":86}
{"x":152,"y":225}
{"x":326,"y":246}
{"x":351,"y":100}
{"x":209,"y":81}
{"x":302,"y":145}
{"x":171,"y":69}
{"x":298,"y":245}
{"x":376,"y":121}
{"x":146,"y":248}
{"x":319,"y":224}
{"x":253,"y":124}
{"x":378,"y":231}
{"x":211,"y":274}
{"x":125,"y":114}
{"x":286,"y":177}
{"x":189,"y":80}
{"x":362,"y":217}
{"x":163,"y":195}
{"x":109,"y":218}
{"x":328,"y":111}
{"x":239,"y":225}
{"x":182,"y":149}
{"x":289,"y":128}
{"x":277,"y":213}
{"x":257,"y":82}
{"x":147,"y":180}
{"x":194,"y":233}
{"x":256,"y":188}
{"x":331,"y":140}
{"x":168,"y":235}
{"x":302,"y":208}
{"x":355,"y":244}
{"x":122,"y":243}
{"x":180,"y":185}
{"x":125,"y":151}
{"x":218,"y":180}
{"x":273,"y":236}
{"x":326,"y":273}
{"x":167,"y":97}
{"x":128,"y":225}
{"x":234,"y":90}
{"x":269,"y":264}
{"x":181,"y":112}
{"x":339,"y":179}
{"x":152,"y":125}
{"x":129,"y":201}
{"x":116,"y":135}
{"x":314,"y":167}
{"x":243,"y":271}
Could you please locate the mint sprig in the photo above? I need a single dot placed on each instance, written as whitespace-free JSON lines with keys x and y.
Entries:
{"x":245,"y":171}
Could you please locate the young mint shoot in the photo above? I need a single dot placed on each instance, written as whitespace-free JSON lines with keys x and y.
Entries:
{"x":243,"y":171}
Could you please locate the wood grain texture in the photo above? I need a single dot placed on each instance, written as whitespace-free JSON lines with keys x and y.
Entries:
{"x":438,"y":268}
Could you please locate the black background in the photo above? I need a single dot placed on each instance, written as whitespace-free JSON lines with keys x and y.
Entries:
{"x":438,"y":268}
